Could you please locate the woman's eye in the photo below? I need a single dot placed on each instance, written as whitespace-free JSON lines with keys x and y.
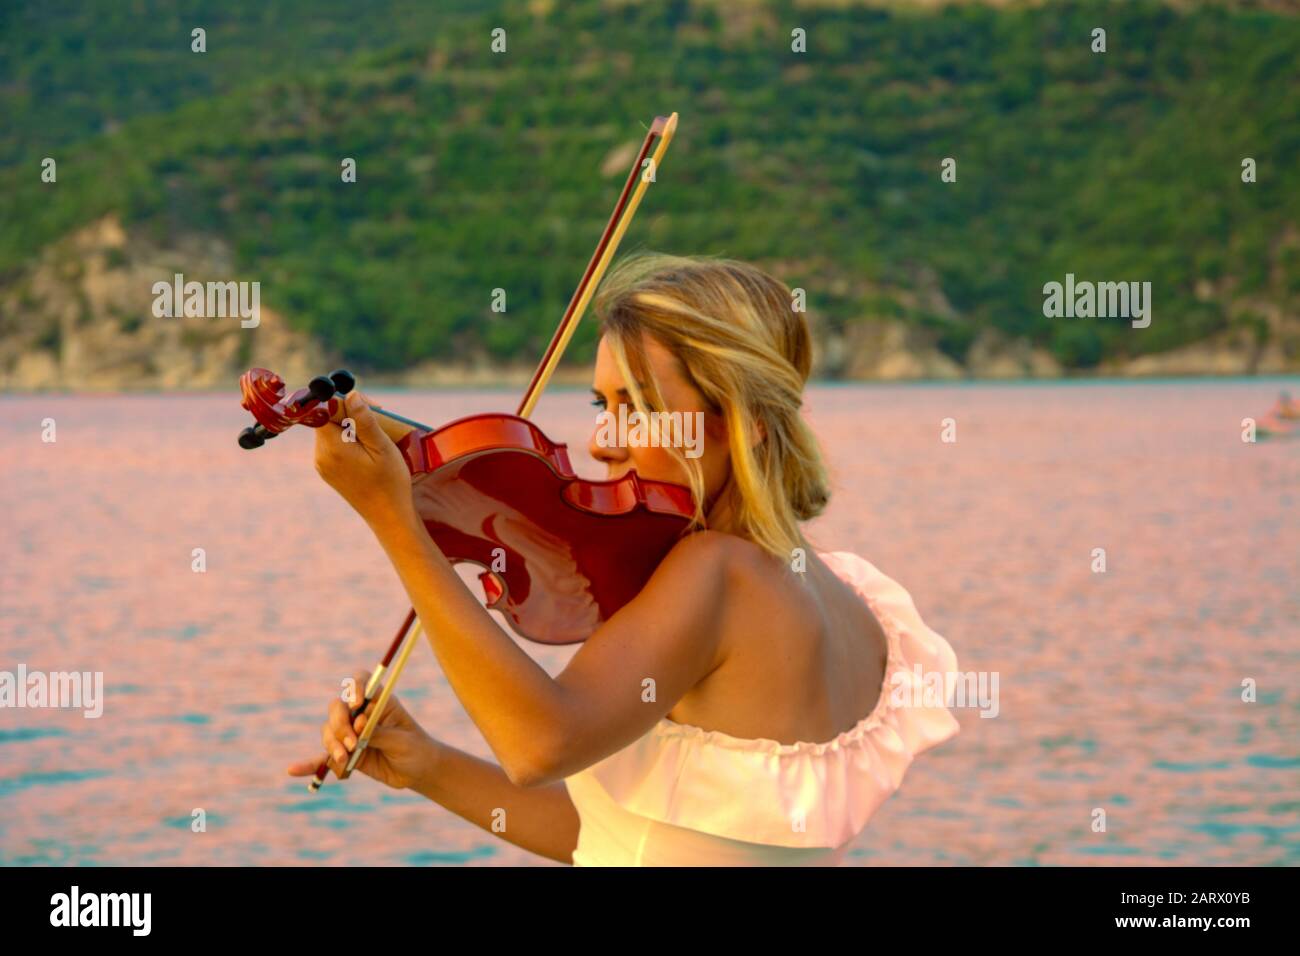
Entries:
{"x":599,"y":403}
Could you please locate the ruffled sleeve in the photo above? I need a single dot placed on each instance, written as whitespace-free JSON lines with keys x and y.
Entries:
{"x":801,"y":794}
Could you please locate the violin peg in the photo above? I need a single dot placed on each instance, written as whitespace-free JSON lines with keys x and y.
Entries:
{"x":344,"y":381}
{"x":250,"y":439}
{"x":321,"y":388}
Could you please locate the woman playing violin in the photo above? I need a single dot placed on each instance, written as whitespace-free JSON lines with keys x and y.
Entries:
{"x":746,"y":706}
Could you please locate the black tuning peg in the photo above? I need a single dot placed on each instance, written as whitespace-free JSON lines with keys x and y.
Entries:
{"x":320,"y":388}
{"x":343,"y":380}
{"x":250,"y":438}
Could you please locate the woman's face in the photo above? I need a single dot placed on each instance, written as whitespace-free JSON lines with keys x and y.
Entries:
{"x":702,"y":435}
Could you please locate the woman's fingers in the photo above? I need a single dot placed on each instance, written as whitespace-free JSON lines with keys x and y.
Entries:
{"x":335,"y":756}
{"x":337,"y":730}
{"x":391,"y":717}
{"x":342,"y":405}
{"x":360,"y":681}
{"x":340,"y":734}
{"x":383,"y":733}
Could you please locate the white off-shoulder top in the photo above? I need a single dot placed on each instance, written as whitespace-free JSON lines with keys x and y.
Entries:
{"x":684,"y":796}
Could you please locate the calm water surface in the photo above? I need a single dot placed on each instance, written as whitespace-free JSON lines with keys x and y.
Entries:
{"x":1119,"y":691}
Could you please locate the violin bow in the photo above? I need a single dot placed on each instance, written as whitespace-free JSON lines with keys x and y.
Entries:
{"x":643,"y":173}
{"x":662,"y":130}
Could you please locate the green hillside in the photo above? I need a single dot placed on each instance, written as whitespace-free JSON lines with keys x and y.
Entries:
{"x":479,"y":171}
{"x":73,"y":69}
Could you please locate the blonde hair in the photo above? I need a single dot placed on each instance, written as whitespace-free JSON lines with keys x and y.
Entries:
{"x":739,"y":341}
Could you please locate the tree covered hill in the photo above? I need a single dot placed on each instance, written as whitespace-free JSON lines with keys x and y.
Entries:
{"x":479,"y":170}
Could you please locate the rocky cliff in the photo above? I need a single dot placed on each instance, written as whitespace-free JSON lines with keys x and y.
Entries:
{"x":83,"y":318}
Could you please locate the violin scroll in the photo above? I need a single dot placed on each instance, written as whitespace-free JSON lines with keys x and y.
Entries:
{"x":264,"y":397}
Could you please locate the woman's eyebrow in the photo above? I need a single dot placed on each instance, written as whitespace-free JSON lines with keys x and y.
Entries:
{"x":622,"y":391}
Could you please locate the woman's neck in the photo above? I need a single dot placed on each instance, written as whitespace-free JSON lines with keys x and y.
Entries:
{"x":722,"y":515}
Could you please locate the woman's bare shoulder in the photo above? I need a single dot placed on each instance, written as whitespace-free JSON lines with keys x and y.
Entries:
{"x":725,"y":560}
{"x":733,"y":583}
{"x":716,"y":550}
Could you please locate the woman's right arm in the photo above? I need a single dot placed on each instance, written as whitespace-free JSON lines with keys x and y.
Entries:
{"x":542,"y":819}
{"x":402,"y":755}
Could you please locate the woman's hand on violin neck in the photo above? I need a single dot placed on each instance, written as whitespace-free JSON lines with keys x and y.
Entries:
{"x":399,"y":753}
{"x":359,"y":461}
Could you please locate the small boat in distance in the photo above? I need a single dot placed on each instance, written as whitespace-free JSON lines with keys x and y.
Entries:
{"x":1282,"y":420}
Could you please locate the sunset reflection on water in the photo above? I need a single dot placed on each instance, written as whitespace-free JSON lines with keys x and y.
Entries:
{"x":1119,"y":691}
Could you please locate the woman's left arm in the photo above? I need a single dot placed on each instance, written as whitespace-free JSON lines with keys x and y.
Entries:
{"x":510,"y":698}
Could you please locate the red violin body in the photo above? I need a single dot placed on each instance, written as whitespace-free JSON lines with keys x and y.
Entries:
{"x":559,"y":553}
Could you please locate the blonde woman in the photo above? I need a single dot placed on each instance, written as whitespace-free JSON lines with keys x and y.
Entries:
{"x":782,"y":714}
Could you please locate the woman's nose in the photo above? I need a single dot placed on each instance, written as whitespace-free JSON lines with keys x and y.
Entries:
{"x":604,"y":444}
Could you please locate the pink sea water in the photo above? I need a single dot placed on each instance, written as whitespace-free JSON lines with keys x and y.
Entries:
{"x":1120,"y":691}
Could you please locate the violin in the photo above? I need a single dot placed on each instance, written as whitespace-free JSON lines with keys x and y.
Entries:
{"x":558,"y":554}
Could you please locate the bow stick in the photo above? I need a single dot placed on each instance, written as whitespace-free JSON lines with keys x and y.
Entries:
{"x":373,"y":720}
{"x":638,"y":180}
